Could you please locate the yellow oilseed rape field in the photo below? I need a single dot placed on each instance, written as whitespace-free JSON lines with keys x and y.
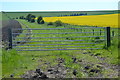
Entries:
{"x":110,"y":20}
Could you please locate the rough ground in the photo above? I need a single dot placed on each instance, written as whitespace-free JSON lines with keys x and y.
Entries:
{"x":59,"y":70}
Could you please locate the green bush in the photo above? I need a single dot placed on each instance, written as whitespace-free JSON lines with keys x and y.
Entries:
{"x":39,"y":19}
{"x":21,"y":17}
{"x":32,"y":18}
{"x":28,"y":17}
{"x":50,"y":23}
{"x":58,"y":23}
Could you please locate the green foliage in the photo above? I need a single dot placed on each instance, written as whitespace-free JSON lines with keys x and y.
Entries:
{"x":50,"y":23}
{"x":21,"y":17}
{"x":58,"y":23}
{"x":28,"y":17}
{"x":32,"y":18}
{"x":97,"y":37}
{"x":15,"y":63}
{"x":40,"y":20}
{"x":10,"y":60}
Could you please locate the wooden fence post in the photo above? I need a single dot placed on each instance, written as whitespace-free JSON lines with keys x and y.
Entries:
{"x":10,"y":37}
{"x":100,"y":32}
{"x":108,"y":36}
{"x":93,"y":31}
{"x":112,"y":33}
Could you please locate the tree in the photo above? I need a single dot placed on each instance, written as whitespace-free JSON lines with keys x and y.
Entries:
{"x":32,"y":18}
{"x":39,"y":19}
{"x":21,"y":17}
{"x":28,"y":17}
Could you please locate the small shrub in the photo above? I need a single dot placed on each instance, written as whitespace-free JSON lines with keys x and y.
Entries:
{"x":32,"y":18}
{"x":58,"y":23}
{"x":97,"y":37}
{"x":28,"y":17}
{"x":21,"y":17}
{"x":50,"y":23}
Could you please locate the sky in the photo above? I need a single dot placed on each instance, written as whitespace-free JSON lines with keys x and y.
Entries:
{"x":58,"y":5}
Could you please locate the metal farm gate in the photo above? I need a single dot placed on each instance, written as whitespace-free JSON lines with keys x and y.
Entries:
{"x":66,"y":38}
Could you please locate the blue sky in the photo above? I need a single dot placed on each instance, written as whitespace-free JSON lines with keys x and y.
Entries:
{"x":58,"y":5}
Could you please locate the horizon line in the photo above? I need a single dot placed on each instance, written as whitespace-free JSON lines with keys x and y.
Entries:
{"x":55,"y":10}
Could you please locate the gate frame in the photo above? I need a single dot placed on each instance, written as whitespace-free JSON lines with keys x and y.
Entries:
{"x":107,"y":33}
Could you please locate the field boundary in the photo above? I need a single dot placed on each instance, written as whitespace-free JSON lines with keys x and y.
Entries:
{"x":47,"y":47}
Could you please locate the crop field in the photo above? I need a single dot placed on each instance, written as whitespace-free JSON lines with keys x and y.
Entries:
{"x":108,"y":20}
{"x":85,"y":63}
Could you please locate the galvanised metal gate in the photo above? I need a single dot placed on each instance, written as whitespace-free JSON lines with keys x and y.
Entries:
{"x":66,"y":38}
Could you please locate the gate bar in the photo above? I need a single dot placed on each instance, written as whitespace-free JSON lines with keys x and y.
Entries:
{"x":57,"y":49}
{"x":58,"y":40}
{"x":57,"y":37}
{"x":60,"y":33}
{"x":55,"y":44}
{"x":54,"y":28}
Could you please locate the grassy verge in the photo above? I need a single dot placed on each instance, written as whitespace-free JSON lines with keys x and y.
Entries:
{"x":0,"y":63}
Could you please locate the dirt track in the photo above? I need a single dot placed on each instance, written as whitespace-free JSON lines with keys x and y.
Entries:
{"x":61,"y":71}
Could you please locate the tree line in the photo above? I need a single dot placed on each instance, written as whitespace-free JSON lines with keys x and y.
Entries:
{"x":81,"y":14}
{"x":32,"y":18}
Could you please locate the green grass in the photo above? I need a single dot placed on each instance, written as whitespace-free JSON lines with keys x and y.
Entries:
{"x":0,"y":63}
{"x":18,"y":63}
{"x":0,"y":16}
{"x":3,"y":17}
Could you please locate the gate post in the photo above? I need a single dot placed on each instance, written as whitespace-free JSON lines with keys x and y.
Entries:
{"x":108,"y":36}
{"x":10,"y":38}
